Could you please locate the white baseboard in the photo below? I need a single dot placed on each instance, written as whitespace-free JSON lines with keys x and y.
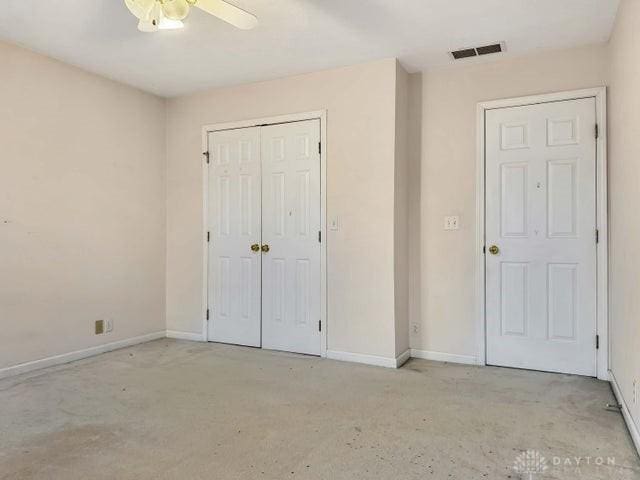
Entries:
{"x":400,"y":359}
{"x":78,"y":354}
{"x":194,"y":337}
{"x":403,"y":357}
{"x":633,"y":428}
{"x":388,"y":362}
{"x":444,"y":357}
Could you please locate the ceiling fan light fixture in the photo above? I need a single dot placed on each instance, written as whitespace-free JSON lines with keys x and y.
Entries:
{"x":140,"y":8}
{"x":148,"y":26}
{"x":154,"y":15}
{"x":175,"y":9}
{"x":156,"y":20}
{"x":170,"y":24}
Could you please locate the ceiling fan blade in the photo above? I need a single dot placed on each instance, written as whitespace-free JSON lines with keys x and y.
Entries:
{"x":229,"y":13}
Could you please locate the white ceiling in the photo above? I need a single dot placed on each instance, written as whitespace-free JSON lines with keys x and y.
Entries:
{"x":293,"y":36}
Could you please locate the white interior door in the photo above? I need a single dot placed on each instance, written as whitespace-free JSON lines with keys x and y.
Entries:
{"x":290,"y":230}
{"x":234,"y":223}
{"x":541,"y":215}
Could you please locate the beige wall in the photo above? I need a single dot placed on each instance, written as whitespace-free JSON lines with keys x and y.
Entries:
{"x":82,"y":217}
{"x":443,"y":298}
{"x":360,"y":104}
{"x":85,"y":202}
{"x":624,"y":196}
{"x":401,"y":214}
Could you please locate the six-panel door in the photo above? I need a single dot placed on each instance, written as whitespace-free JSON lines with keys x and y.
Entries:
{"x":290,"y":228}
{"x":541,"y":216}
{"x":234,"y":224}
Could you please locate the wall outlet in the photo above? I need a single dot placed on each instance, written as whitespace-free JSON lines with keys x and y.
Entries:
{"x":415,"y":329}
{"x":108,"y":325}
{"x":99,"y":327}
{"x":451,"y":222}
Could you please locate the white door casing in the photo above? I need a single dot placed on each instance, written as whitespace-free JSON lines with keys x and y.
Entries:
{"x":234,"y":226}
{"x":540,"y":211}
{"x":291,"y":277}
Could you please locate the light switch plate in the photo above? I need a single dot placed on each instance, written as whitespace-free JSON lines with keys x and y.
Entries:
{"x":333,"y":223}
{"x":451,"y":222}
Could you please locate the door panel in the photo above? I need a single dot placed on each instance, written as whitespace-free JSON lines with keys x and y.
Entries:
{"x":541,"y":214}
{"x":514,"y":297}
{"x":513,"y":201}
{"x":291,"y":222}
{"x":234,"y":223}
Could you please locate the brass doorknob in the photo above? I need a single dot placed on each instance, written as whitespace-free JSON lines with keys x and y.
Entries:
{"x":255,"y":247}
{"x":494,"y":250}
{"x":265,"y":248}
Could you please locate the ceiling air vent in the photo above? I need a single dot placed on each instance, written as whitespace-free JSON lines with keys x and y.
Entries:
{"x":476,"y":51}
{"x":467,"y":52}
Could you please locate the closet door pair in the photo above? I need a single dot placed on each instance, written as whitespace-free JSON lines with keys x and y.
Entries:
{"x":264,"y":245}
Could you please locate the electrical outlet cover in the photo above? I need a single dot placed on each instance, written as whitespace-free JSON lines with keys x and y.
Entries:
{"x":452,"y":222}
{"x":99,"y":327}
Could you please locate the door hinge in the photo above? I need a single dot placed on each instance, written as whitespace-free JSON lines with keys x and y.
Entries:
{"x":597,"y":342}
{"x":319,"y":325}
{"x":320,"y":148}
{"x":207,"y":314}
{"x":597,"y":235}
{"x":208,"y":236}
{"x":319,"y":236}
{"x":597,"y":131}
{"x":484,"y":249}
{"x":206,"y":155}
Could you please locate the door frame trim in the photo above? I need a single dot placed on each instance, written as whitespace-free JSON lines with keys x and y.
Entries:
{"x":602,"y":320}
{"x":257,"y":122}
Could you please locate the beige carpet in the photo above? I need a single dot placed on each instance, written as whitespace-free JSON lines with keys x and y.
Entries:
{"x":180,"y":410}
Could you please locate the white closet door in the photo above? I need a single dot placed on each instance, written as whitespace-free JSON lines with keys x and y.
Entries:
{"x":290,"y":229}
{"x":541,"y":221}
{"x":234,"y":222}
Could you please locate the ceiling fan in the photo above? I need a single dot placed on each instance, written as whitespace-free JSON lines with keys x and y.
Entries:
{"x":157,"y":15}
